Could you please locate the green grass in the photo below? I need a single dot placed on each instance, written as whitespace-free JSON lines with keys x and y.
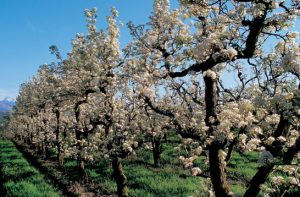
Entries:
{"x":243,"y":167}
{"x":170,"y":179}
{"x":20,"y":179}
{"x":143,"y":178}
{"x":146,"y":180}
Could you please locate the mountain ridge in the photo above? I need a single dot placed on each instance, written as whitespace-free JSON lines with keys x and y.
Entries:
{"x":7,"y":104}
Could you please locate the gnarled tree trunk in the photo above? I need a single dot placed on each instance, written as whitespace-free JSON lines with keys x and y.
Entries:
{"x":60,"y":158}
{"x":291,"y":152}
{"x":120,"y":178}
{"x":47,"y":151}
{"x":263,"y":172}
{"x":218,"y":171}
{"x":156,"y":151}
{"x":81,"y":168}
{"x":259,"y":178}
{"x":216,"y":164}
{"x":78,"y":135}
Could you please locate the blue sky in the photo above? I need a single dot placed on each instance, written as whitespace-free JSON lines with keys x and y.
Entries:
{"x":29,"y":27}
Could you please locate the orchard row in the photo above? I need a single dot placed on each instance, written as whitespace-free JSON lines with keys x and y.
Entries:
{"x":201,"y":70}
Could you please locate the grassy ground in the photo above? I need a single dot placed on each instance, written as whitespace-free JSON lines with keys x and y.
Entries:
{"x":171,"y":179}
{"x":19,"y":178}
{"x":143,"y":178}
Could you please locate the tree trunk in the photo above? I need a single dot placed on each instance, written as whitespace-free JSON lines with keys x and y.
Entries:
{"x":120,"y":178}
{"x":216,"y":164}
{"x":275,"y":149}
{"x":31,"y":139}
{"x":218,"y":171}
{"x":165,"y":138}
{"x":230,"y":148}
{"x":156,"y":158}
{"x":40,"y":148}
{"x":156,"y":151}
{"x":78,"y":135}
{"x":43,"y":150}
{"x":60,"y":159}
{"x":263,"y":172}
{"x":47,"y":151}
{"x":81,"y":168}
{"x":28,"y":136}
{"x":210,"y":101}
{"x":291,"y":152}
{"x":259,"y":178}
{"x":28,"y":141}
{"x":57,"y":135}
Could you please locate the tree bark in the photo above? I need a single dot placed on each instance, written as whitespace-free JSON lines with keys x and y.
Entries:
{"x":291,"y":152}
{"x":216,"y":164}
{"x":28,"y":138}
{"x":218,"y":171}
{"x":210,"y":100}
{"x":81,"y":168}
{"x":31,"y":138}
{"x":230,"y":149}
{"x":47,"y":151}
{"x":40,"y":147}
{"x":58,"y":140}
{"x":282,"y":127}
{"x":78,"y":135}
{"x":259,"y":178}
{"x":156,"y":151}
{"x":60,"y":159}
{"x":157,"y":159}
{"x":120,"y":178}
{"x":275,"y":149}
{"x":43,"y":149}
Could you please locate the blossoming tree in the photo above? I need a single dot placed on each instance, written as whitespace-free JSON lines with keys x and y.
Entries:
{"x":175,"y":75}
{"x":207,"y":37}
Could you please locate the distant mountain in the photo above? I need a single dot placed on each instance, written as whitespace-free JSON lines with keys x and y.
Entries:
{"x":7,"y":104}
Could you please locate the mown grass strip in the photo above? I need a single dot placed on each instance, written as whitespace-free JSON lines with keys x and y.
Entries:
{"x":171,"y":179}
{"x":19,"y":178}
{"x":144,"y":179}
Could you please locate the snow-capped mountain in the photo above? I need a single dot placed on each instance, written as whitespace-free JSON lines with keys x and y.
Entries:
{"x":7,"y":104}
